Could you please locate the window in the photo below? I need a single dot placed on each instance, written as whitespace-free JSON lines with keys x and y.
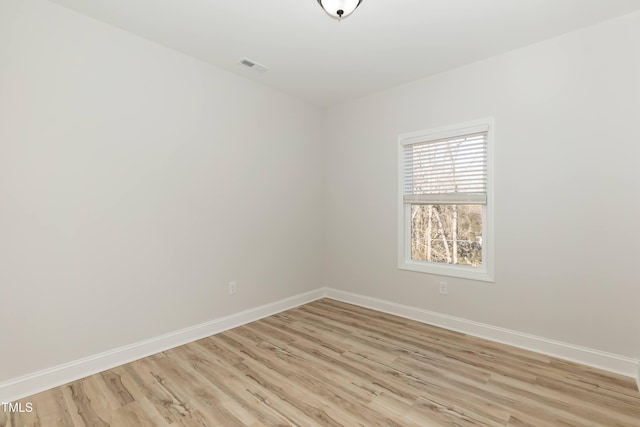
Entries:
{"x":445,"y":206}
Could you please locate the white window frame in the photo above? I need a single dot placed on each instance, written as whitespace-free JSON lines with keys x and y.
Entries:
{"x":484,"y":272}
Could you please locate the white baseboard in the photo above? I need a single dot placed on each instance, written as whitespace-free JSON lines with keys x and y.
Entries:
{"x":598,"y":359}
{"x":37,"y":382}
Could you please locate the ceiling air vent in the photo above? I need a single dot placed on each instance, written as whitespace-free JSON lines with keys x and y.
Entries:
{"x":254,"y":66}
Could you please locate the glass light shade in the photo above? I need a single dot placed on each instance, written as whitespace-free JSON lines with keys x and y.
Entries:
{"x":339,"y":8}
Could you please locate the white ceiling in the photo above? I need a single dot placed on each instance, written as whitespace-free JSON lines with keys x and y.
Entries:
{"x":383,"y":44}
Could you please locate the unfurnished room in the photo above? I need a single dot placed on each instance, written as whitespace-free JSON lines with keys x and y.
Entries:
{"x":320,"y":213}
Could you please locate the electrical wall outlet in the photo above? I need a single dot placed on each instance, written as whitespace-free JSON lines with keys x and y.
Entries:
{"x":443,"y":288}
{"x":233,"y":288}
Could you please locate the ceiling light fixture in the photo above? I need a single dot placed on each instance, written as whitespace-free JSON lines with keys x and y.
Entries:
{"x":339,"y":9}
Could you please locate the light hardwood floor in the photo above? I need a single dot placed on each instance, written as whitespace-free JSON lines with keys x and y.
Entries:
{"x":333,"y":364}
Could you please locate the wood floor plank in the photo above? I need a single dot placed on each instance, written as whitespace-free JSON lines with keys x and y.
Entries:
{"x":329,"y":363}
{"x":330,"y":390}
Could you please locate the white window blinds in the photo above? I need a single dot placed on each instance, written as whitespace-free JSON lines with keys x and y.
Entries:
{"x":446,"y":170}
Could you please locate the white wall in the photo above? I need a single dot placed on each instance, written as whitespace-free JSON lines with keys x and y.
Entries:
{"x":135,"y":182}
{"x":567,"y":188}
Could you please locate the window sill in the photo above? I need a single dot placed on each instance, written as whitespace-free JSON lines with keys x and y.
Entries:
{"x":448,"y":270}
